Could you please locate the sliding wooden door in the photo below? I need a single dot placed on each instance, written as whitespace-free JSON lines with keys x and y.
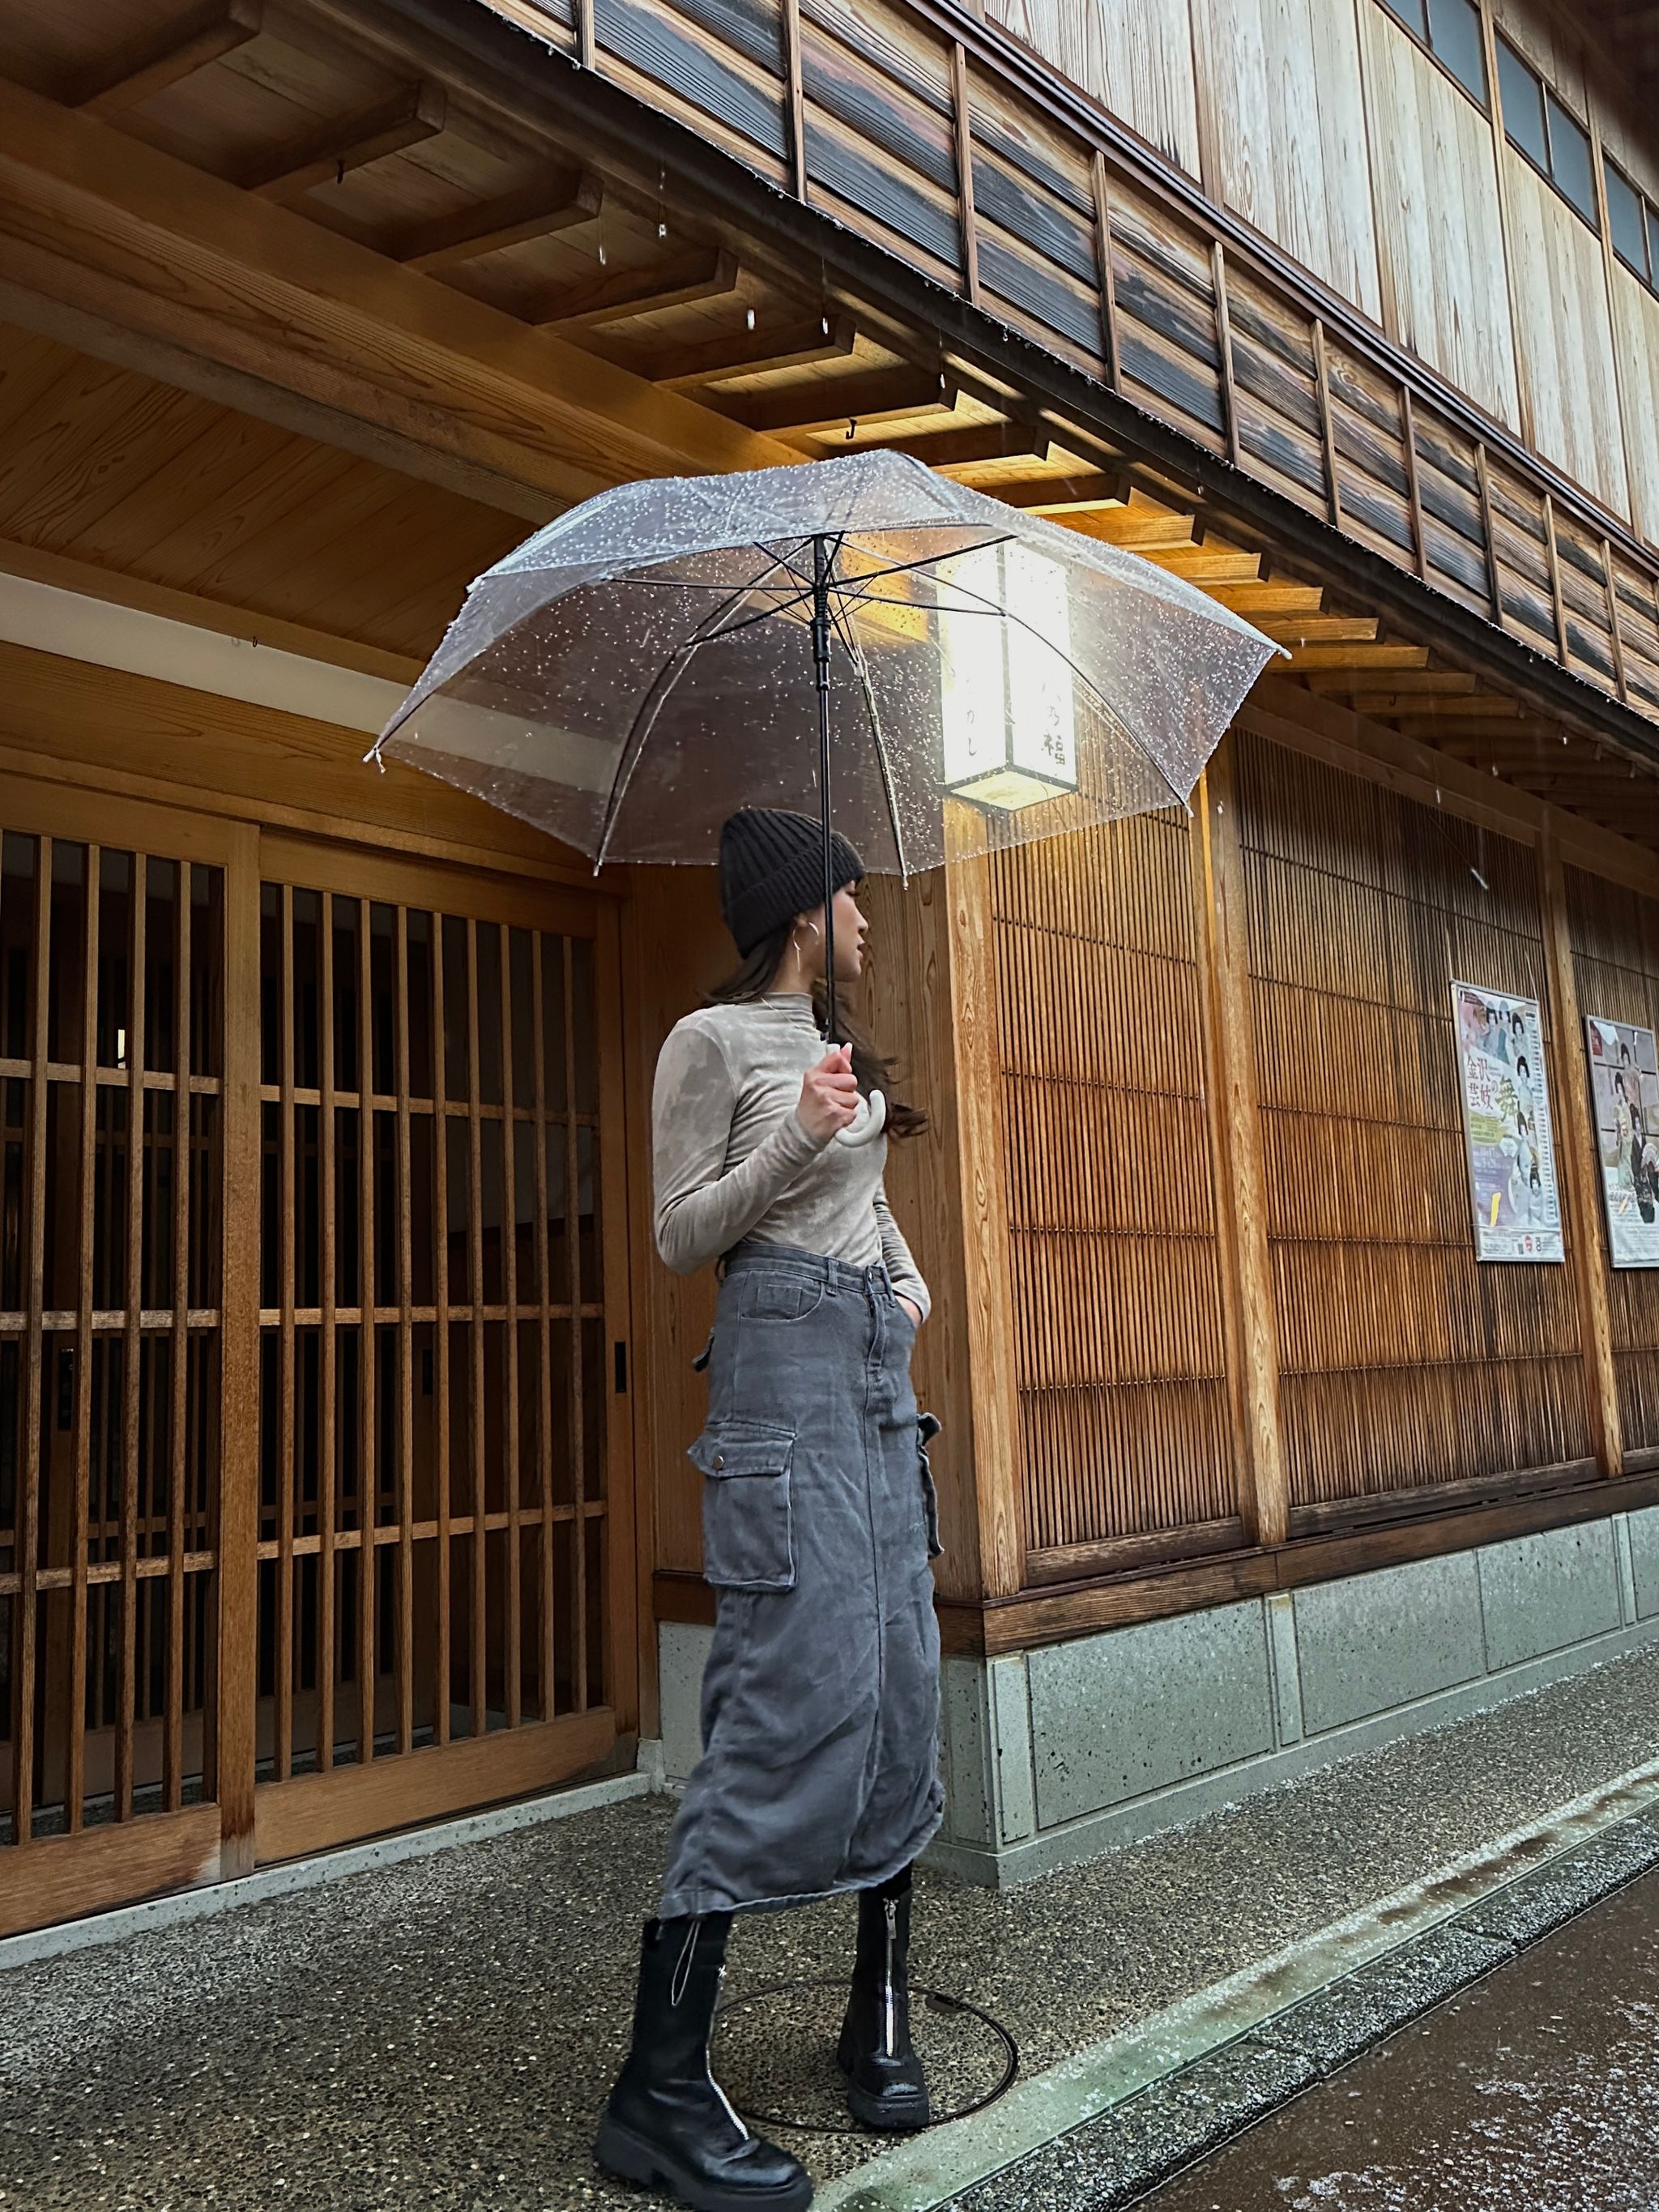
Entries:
{"x":121,"y":1715}
{"x":446,"y":1552}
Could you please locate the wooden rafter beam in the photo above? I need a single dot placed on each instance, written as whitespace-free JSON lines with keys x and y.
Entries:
{"x":1352,"y":656}
{"x":128,"y":254}
{"x":1321,"y":629}
{"x":1454,"y":683}
{"x":1086,"y":494}
{"x":977,"y":445}
{"x":769,"y":346}
{"x":539,"y":211}
{"x":1256,"y":601}
{"x":1199,"y":566}
{"x":166,"y":54}
{"x":334,"y":148}
{"x":620,"y":295}
{"x":818,"y":410}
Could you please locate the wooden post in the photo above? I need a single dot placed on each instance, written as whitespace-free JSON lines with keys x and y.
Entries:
{"x":1576,"y":1146}
{"x":1223,"y":939}
{"x":1611,"y":580}
{"x":1224,"y":332}
{"x":794,"y":100}
{"x":1553,"y":552}
{"x":1419,"y":534}
{"x":1494,"y":580}
{"x":1327,"y":425}
{"x":961,"y":103}
{"x":1108,"y":281}
{"x":235,"y":1673}
{"x":983,"y":1197}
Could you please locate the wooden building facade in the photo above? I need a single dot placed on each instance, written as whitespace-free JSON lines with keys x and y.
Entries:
{"x":342,"y":1405}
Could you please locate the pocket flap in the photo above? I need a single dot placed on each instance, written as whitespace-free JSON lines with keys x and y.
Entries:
{"x":743,"y":1447}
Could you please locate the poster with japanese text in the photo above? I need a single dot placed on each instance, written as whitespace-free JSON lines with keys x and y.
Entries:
{"x":1506,"y":1126}
{"x":1625,"y":1094}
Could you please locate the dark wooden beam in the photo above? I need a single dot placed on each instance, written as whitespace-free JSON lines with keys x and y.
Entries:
{"x":136,"y":70}
{"x":890,"y":395}
{"x":345,"y":142}
{"x":620,"y":295}
{"x":539,"y":211}
{"x":748,"y":352}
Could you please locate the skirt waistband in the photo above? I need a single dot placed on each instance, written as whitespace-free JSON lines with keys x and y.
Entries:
{"x":812,"y":1267}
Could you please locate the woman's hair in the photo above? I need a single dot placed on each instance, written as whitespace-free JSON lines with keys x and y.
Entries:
{"x":753,"y":977}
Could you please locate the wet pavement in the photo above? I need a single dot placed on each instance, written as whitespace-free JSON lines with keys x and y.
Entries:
{"x":440,"y":2033}
{"x":1536,"y":2088}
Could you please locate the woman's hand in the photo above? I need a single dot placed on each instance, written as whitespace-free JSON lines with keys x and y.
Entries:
{"x":911,"y":1308}
{"x":829,"y":1096}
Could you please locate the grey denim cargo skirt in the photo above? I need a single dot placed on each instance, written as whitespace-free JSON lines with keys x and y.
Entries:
{"x":820,"y":1700}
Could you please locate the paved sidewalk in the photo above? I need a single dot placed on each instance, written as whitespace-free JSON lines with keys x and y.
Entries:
{"x":440,"y":2034}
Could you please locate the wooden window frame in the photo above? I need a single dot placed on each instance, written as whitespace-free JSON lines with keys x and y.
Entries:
{"x":1546,"y":92}
{"x":1649,"y":218}
{"x":1424,"y":45}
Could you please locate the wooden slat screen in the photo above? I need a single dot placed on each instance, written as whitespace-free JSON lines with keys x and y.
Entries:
{"x":1405,"y":1361}
{"x":433,"y":1495}
{"x":1615,"y":941}
{"x":1112,"y":1215}
{"x":111,"y":1041}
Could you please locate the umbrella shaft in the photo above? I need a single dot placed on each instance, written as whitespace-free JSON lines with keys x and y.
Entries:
{"x":822,"y":565}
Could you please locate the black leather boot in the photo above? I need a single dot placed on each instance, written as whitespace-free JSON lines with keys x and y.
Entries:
{"x":666,"y":2124}
{"x":886,"y":2085}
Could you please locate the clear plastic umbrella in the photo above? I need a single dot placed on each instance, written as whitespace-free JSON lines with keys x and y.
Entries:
{"x":649,"y":661}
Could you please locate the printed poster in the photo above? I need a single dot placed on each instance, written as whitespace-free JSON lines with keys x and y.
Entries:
{"x":1624,"y":1096}
{"x":1506,"y":1126}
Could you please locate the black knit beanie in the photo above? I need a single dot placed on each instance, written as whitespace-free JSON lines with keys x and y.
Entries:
{"x":771,"y":869}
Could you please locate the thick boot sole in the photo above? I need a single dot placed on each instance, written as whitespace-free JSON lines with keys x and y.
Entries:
{"x":628,"y":2157}
{"x":891,"y":2115}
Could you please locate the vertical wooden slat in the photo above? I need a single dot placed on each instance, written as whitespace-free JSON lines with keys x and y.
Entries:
{"x":404,"y":1640}
{"x":982,"y":1196}
{"x":1419,"y":534}
{"x":794,"y":100}
{"x":1327,"y":425}
{"x":479,"y":1652}
{"x":962,"y":112}
{"x":1494,"y":579}
{"x":623,"y":1523}
{"x":545,"y":1334}
{"x":367,"y":1372}
{"x":574,"y":1293}
{"x":28,"y":1533}
{"x":286,"y":1472}
{"x":74,"y":1776}
{"x":1582,"y":1175}
{"x":179,"y":1476}
{"x":232,"y":1722}
{"x":1614,"y":629}
{"x":440,"y":1322}
{"x":133,"y":1348}
{"x":586,"y":43}
{"x":1553,"y":552}
{"x":1224,"y":328}
{"x":1107,"y":277}
{"x":514,"y":1655}
{"x":1264,"y":1498}
{"x":327,"y":1446}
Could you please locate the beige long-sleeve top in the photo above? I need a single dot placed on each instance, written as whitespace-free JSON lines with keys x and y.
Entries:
{"x":731,"y":1159}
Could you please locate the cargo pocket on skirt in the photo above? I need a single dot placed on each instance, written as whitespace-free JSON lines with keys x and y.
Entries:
{"x":747,"y":1538}
{"x":927,"y":1428}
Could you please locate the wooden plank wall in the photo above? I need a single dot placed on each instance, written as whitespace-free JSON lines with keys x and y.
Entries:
{"x":956,"y":149}
{"x":1404,"y":1361}
{"x":1615,"y":949}
{"x":1120,"y":1345}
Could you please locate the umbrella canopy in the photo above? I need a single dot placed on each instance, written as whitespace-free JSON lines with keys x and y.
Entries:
{"x":645,"y":664}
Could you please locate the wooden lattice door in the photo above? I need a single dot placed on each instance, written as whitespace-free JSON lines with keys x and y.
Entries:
{"x":123,"y":1735}
{"x":445,"y":1561}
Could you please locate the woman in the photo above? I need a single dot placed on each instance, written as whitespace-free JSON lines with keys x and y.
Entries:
{"x":820,"y":1701}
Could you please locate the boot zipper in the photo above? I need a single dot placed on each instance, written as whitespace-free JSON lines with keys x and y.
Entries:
{"x":888,"y":2002}
{"x":708,"y":2069}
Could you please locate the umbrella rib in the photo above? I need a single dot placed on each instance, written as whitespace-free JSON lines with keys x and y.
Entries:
{"x":855,"y":652}
{"x":651,"y":707}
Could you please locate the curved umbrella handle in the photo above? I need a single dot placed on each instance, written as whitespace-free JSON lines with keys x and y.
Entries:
{"x":867,"y":1131}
